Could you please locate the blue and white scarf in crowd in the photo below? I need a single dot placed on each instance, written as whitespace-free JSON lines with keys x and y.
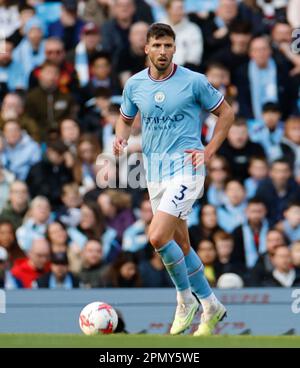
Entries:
{"x":82,"y":64}
{"x":251,"y":252}
{"x":263,"y":86}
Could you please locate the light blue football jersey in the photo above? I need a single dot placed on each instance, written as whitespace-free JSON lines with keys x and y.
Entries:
{"x":170,"y":117}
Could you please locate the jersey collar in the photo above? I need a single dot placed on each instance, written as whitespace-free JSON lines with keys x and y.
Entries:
{"x":174,"y":68}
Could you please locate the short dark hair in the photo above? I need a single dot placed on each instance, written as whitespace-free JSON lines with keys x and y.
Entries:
{"x":159,"y":30}
{"x":271,"y":107}
{"x":216,"y":65}
{"x":281,"y":160}
{"x":240,"y":27}
{"x":101,"y":55}
{"x":256,"y":200}
{"x":58,"y":146}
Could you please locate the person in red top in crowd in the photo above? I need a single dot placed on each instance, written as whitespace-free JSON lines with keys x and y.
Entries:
{"x":26,"y":270}
{"x":55,"y":53}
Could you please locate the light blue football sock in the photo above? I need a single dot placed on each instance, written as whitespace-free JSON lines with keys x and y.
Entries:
{"x":173,"y":259}
{"x":198,"y":281}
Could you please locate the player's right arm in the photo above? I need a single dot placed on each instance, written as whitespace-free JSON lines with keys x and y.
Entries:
{"x":123,"y":130}
{"x":128,"y":111}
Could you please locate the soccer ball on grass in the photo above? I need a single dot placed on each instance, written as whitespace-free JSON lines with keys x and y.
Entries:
{"x":98,"y":318}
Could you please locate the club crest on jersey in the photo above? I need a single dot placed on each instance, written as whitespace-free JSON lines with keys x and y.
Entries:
{"x":159,"y":97}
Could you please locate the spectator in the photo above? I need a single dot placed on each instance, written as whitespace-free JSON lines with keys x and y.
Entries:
{"x":96,"y":11}
{"x":207,"y":252}
{"x":207,"y":227}
{"x":278,"y":190}
{"x":123,"y":272}
{"x":20,"y":151}
{"x":68,"y":27}
{"x":85,"y":51}
{"x":115,"y":31}
{"x":295,"y":251}
{"x":250,"y":237}
{"x":7,"y":280}
{"x":6,"y":179}
{"x":88,"y":150}
{"x":238,"y":149}
{"x":55,"y":53}
{"x":12,"y":77}
{"x":31,"y":50}
{"x":290,"y":225}
{"x":224,"y":244}
{"x":93,"y":226}
{"x":59,"y":277}
{"x":152,"y":270}
{"x":219,"y":76}
{"x":236,"y":53}
{"x":47,"y":177}
{"x":92,"y":265}
{"x":101,"y":77}
{"x":8,"y":241}
{"x":262,"y":80}
{"x":291,"y":144}
{"x":12,"y":108}
{"x":70,"y":134}
{"x":258,"y":171}
{"x":218,"y":174}
{"x":284,"y":273}
{"x":231,"y":213}
{"x":116,"y":208}
{"x":268,"y":131}
{"x":135,"y":237}
{"x":28,"y":270}
{"x":189,"y":40}
{"x":95,"y":112}
{"x":17,"y":205}
{"x":69,"y":212}
{"x":46,"y":104}
{"x":216,"y":26}
{"x":132,"y":60}
{"x":35,"y":224}
{"x":264,"y":267}
{"x":68,"y":240}
{"x":26,"y":12}
{"x":282,"y":34}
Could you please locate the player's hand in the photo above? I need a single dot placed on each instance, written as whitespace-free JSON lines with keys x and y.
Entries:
{"x":119,"y":145}
{"x":198,"y":157}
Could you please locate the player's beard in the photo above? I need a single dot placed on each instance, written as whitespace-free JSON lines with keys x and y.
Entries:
{"x":160,"y":68}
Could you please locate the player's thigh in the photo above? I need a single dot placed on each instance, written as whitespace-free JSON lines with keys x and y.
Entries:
{"x":162,"y":228}
{"x":180,"y":195}
{"x":181,"y":236}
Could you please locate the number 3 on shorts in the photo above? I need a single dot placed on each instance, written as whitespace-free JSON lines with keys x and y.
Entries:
{"x":183,"y":189}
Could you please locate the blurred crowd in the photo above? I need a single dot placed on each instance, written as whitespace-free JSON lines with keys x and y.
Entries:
{"x":63,"y":66}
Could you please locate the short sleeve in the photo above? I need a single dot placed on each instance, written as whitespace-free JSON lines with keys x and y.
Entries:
{"x":208,"y":96}
{"x":128,"y":108}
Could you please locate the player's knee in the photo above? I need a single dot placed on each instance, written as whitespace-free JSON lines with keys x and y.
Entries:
{"x":157,"y":240}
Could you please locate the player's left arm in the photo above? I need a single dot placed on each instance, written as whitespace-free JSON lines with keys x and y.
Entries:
{"x":225,"y":115}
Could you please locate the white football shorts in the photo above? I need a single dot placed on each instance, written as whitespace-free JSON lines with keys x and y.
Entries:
{"x":176,"y":196}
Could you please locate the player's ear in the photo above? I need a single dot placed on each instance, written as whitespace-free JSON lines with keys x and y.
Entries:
{"x":146,"y":49}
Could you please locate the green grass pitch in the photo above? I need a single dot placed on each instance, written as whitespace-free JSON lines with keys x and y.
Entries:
{"x":146,"y":341}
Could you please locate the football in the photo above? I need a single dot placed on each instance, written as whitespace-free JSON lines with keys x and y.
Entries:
{"x":98,"y":318}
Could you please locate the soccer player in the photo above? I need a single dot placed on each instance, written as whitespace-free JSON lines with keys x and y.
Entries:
{"x":170,"y":99}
